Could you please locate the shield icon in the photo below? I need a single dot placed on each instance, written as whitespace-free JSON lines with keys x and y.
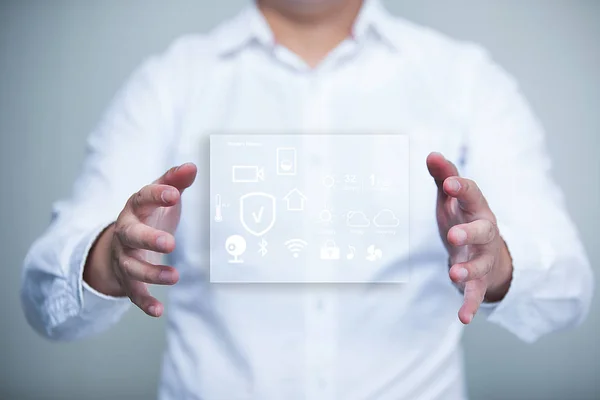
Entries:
{"x":257,"y":212}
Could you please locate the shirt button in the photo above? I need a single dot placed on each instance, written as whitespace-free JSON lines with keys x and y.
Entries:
{"x":322,"y":383}
{"x":315,"y":160}
{"x":319,"y":304}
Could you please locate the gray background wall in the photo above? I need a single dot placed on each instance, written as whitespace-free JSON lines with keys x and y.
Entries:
{"x":60,"y":63}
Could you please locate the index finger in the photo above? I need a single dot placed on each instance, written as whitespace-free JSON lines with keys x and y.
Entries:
{"x":151,"y":197}
{"x":180,"y":177}
{"x":440,"y":168}
{"x":466,"y":191}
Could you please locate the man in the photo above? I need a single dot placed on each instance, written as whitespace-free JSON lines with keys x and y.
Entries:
{"x":325,"y":66}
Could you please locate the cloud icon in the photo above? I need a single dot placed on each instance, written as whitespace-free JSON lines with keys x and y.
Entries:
{"x":386,"y":219}
{"x":357,"y":219}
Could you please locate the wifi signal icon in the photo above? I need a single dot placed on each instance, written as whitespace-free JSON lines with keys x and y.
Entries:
{"x":295,"y":246}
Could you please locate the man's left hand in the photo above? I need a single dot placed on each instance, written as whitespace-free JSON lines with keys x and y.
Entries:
{"x":479,"y":261}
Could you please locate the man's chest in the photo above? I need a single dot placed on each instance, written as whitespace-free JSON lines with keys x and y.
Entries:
{"x":251,"y":102}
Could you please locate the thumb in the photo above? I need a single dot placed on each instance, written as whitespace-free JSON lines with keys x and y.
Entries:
{"x":180,"y":177}
{"x":440,"y":168}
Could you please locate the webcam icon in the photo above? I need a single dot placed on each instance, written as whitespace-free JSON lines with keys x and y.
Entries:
{"x":235,"y":246}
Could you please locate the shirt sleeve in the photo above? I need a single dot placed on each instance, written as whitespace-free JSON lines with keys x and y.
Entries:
{"x":129,"y":149}
{"x":552,"y":281}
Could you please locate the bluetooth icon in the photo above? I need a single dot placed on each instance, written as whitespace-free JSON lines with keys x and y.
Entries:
{"x":263,"y":247}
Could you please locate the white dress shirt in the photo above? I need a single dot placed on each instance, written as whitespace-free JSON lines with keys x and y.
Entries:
{"x":318,"y":341}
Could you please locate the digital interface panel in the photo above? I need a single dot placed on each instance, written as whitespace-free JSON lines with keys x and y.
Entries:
{"x":309,"y":208}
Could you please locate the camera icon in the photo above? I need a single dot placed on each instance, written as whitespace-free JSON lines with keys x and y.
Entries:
{"x":235,"y":246}
{"x":247,"y":174}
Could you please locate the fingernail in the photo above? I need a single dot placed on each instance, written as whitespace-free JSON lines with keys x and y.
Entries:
{"x":454,"y":185}
{"x":460,"y":235}
{"x":165,"y":276}
{"x":152,"y":310}
{"x":168,"y":195}
{"x":462,"y":274}
{"x":470,"y":318}
{"x":161,"y":242}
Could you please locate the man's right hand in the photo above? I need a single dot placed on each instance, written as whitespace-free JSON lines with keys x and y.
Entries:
{"x":123,"y":259}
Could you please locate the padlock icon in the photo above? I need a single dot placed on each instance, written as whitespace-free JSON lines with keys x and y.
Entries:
{"x":329,"y":251}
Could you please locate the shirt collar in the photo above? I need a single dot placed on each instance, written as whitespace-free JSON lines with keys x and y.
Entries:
{"x":250,"y":26}
{"x":246,"y":27}
{"x":373,"y":18}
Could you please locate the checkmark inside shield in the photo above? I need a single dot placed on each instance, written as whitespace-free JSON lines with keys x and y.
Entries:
{"x":258,"y":217}
{"x":257,"y":212}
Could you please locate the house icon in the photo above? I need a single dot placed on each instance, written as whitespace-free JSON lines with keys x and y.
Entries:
{"x":295,"y":200}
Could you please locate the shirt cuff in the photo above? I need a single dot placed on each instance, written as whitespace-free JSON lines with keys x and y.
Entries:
{"x":516,"y":311}
{"x":93,"y":304}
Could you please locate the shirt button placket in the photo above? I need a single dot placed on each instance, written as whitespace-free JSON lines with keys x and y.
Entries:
{"x":320,"y":301}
